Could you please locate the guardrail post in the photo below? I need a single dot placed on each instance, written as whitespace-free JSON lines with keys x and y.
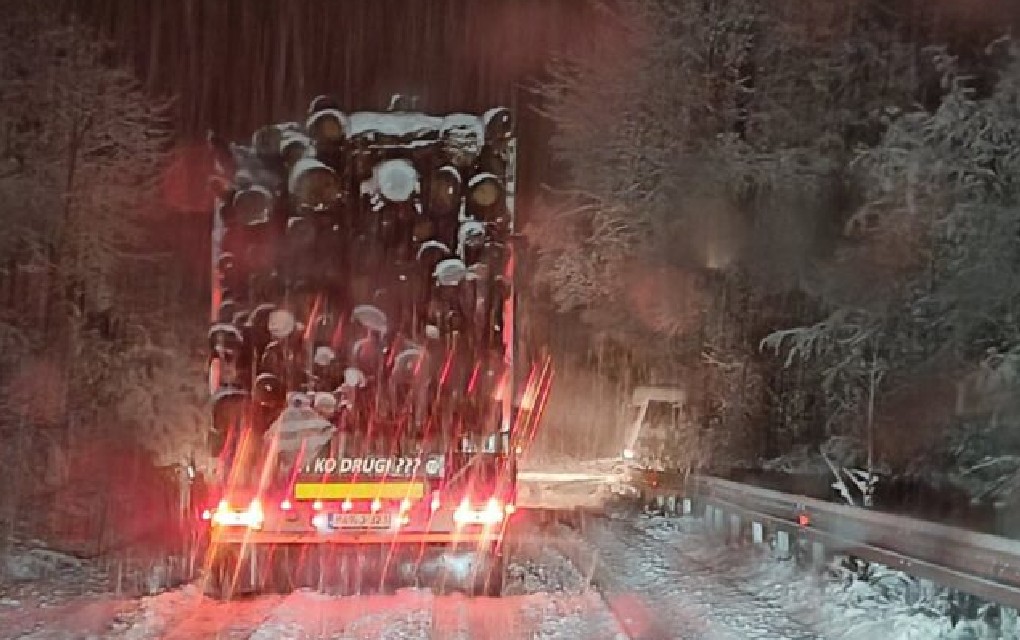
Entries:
{"x":671,"y":505}
{"x":1009,"y":624}
{"x":962,"y":606}
{"x":757,"y":533}
{"x":783,"y":548}
{"x":688,"y":507}
{"x":720,"y":517}
{"x":817,"y":554}
{"x":253,"y":567}
{"x":734,"y":536}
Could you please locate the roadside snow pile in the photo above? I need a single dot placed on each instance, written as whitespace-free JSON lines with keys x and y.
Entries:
{"x":154,"y":613}
{"x":573,"y":619}
{"x":22,"y":565}
{"x":543,"y":571}
{"x":34,"y":572}
{"x":847,"y":602}
{"x":30,"y":569}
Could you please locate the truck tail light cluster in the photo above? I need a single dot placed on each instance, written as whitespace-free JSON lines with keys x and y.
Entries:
{"x":493,"y":511}
{"x":224,"y":515}
{"x":469,"y":511}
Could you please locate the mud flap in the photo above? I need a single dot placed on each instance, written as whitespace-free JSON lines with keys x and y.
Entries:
{"x":226,"y":576}
{"x":490,"y":582}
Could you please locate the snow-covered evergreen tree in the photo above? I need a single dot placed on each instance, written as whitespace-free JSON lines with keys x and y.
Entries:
{"x":88,"y":357}
{"x":707,"y":143}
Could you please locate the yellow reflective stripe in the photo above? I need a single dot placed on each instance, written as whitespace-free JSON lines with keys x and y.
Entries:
{"x":358,"y":490}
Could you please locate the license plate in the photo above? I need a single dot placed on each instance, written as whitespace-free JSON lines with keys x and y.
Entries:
{"x":361,"y":520}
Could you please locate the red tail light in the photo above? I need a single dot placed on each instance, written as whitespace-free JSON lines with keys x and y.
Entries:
{"x":489,"y":513}
{"x":227,"y":516}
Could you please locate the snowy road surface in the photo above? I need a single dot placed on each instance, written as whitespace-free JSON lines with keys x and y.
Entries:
{"x":404,"y":615}
{"x":660,"y":578}
{"x":668,"y":578}
{"x":546,"y":599}
{"x":659,"y":590}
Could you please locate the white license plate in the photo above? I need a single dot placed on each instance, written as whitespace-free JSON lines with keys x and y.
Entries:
{"x":361,"y":520}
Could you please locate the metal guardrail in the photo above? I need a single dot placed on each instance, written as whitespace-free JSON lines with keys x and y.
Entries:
{"x":982,"y":565}
{"x":979,"y":564}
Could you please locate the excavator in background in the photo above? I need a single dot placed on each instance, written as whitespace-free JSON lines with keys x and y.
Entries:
{"x":655,"y":415}
{"x":657,"y":421}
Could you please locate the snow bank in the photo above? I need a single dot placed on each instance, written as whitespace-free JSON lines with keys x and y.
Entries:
{"x":35,"y":564}
{"x":841,"y":603}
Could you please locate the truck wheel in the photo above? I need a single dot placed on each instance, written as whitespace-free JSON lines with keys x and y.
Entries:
{"x":490,"y":582}
{"x":494,"y":589}
{"x":347,"y":573}
{"x":283,"y":570}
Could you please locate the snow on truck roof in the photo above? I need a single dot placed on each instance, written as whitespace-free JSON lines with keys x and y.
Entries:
{"x":403,"y":123}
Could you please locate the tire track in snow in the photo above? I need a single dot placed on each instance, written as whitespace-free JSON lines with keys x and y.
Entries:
{"x":606,"y":583}
{"x":663,"y":586}
{"x":306,"y":614}
{"x":188,"y":614}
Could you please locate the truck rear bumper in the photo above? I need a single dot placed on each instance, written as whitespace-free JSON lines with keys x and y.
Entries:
{"x":280,"y":563}
{"x":456,"y":538}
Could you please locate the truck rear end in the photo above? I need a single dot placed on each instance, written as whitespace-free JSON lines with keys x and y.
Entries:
{"x":361,"y":353}
{"x":366,"y":524}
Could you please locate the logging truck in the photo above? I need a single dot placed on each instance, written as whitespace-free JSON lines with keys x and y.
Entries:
{"x":361,"y":352}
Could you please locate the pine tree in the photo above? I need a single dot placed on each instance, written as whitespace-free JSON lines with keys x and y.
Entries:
{"x":83,"y":148}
